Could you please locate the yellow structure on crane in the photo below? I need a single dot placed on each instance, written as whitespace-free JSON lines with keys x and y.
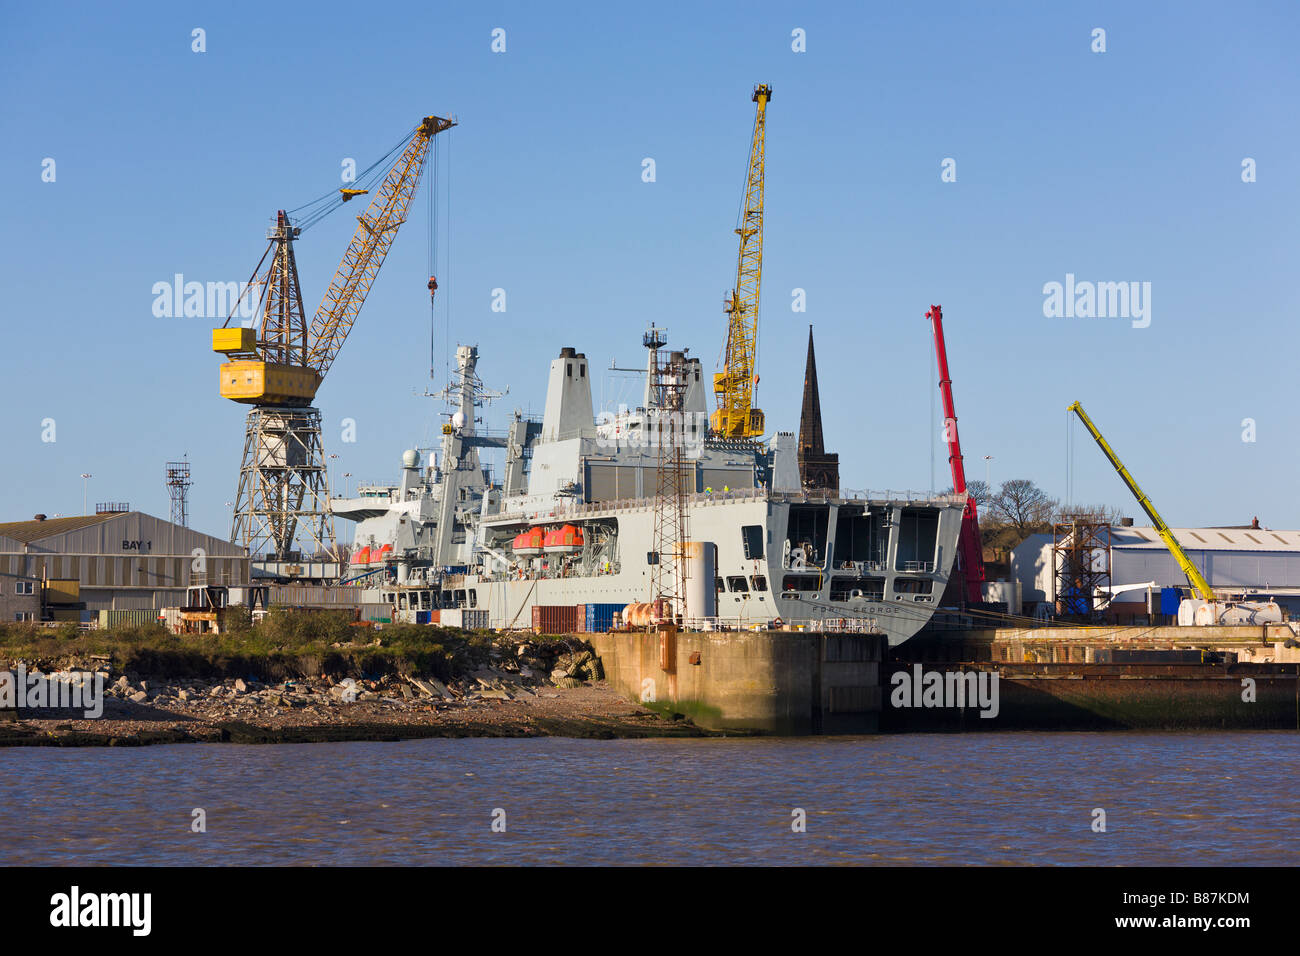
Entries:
{"x":278,"y":365}
{"x":736,"y":416}
{"x":1194,"y":576}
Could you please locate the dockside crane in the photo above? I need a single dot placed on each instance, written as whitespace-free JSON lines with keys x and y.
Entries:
{"x":1194,"y":577}
{"x":969,"y":545}
{"x":278,"y":365}
{"x":736,"y":416}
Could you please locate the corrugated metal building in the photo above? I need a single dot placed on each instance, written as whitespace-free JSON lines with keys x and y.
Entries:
{"x":1254,"y":559}
{"x":122,"y":560}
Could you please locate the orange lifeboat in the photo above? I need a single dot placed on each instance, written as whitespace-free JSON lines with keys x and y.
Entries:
{"x":565,"y":540}
{"x":378,"y":556}
{"x":529,"y":543}
{"x":362,"y":556}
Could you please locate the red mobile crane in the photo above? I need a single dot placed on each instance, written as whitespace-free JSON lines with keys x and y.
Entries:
{"x":969,"y":546}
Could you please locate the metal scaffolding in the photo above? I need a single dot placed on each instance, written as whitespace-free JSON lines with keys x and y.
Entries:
{"x":668,"y":572}
{"x":178,"y":487}
{"x":282,"y":507}
{"x":1080,"y":565}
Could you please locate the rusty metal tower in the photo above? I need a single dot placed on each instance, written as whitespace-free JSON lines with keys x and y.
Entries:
{"x":178,"y":487}
{"x":673,"y":476}
{"x":1080,"y":565}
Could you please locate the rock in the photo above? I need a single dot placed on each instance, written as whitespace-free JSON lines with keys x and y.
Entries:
{"x":559,"y":674}
{"x":182,"y":695}
{"x":216,"y":691}
{"x":407,"y":693}
{"x":240,"y":686}
{"x":121,"y":683}
{"x":139,"y":697}
{"x":491,"y":694}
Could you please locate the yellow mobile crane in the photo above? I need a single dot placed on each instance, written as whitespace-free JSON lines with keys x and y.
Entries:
{"x":278,"y":365}
{"x":736,"y":416}
{"x":1194,"y":576}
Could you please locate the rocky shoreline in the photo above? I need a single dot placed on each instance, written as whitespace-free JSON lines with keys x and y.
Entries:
{"x":526,"y":690}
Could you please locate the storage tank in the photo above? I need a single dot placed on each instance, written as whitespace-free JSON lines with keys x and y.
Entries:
{"x":1236,"y":613}
{"x":701,"y":570}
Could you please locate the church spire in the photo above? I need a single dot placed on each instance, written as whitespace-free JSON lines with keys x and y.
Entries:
{"x":816,"y":468}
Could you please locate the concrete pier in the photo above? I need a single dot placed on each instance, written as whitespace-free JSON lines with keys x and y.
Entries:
{"x":773,"y":682}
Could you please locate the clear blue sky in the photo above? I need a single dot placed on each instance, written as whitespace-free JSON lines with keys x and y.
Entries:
{"x":1115,"y":166}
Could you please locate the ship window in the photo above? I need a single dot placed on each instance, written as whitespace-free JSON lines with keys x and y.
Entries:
{"x":582,"y":371}
{"x":751,"y":536}
{"x":851,"y":588}
{"x":801,"y":582}
{"x":736,"y":582}
{"x":652,"y":557}
{"x":913,"y":585}
{"x":473,"y":598}
{"x":759,"y":581}
{"x":718,"y":585}
{"x":568,"y":369}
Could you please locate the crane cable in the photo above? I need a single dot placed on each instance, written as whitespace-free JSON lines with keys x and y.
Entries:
{"x":313,"y":211}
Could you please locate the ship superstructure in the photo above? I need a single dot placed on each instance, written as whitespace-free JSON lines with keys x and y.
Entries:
{"x":572,"y":520}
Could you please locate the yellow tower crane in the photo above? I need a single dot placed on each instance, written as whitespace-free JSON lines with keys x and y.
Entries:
{"x":736,"y":416}
{"x":1194,"y":576}
{"x":277,"y":365}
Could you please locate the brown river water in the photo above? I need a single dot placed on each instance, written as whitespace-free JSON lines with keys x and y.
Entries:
{"x":1216,"y":799}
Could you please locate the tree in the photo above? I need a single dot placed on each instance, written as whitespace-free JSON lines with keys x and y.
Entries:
{"x":1023,"y":505}
{"x":978,"y":490}
{"x":1098,"y":514}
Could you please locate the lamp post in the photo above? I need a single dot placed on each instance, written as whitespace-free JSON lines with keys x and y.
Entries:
{"x":346,"y":476}
{"x":85,"y":480}
{"x":987,"y":459}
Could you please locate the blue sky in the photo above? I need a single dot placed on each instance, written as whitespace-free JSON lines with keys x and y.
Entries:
{"x":1115,"y":166}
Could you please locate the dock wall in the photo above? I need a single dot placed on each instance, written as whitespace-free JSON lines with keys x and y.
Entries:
{"x":774,"y":682}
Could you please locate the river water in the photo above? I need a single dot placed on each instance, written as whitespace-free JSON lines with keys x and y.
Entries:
{"x":1005,"y":798}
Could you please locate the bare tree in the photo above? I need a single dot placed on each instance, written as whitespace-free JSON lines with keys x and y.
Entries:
{"x":1099,"y":514}
{"x":1023,"y":505}
{"x":979,"y":490}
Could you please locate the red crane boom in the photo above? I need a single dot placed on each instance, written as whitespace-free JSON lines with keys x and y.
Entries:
{"x":969,"y":546}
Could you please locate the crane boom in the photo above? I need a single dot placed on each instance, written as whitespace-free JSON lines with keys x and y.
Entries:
{"x":969,"y":543}
{"x":1194,"y":576}
{"x":376,"y":229}
{"x":736,"y":416}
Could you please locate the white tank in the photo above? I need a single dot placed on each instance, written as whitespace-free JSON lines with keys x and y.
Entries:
{"x":458,"y":420}
{"x":1208,"y":613}
{"x":701,"y":572}
{"x":410,"y":458}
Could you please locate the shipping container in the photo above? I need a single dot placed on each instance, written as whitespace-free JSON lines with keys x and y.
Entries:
{"x":474,"y":619}
{"x":581,"y":616}
{"x":600,"y":617}
{"x":128,"y":617}
{"x":377,"y":613}
{"x":555,"y":618}
{"x":450,"y":617}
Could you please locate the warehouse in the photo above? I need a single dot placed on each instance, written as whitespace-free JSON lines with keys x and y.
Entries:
{"x":1257,"y":561}
{"x":72,"y":568}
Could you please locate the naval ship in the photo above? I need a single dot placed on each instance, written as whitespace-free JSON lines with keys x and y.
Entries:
{"x":577,"y":517}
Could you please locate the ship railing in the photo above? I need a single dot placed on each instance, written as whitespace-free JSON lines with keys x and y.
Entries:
{"x":891,"y":494}
{"x":828,"y":625}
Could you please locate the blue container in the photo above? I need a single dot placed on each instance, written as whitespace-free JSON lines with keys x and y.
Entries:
{"x":1169,"y":601}
{"x":600,"y":617}
{"x":422,"y":617}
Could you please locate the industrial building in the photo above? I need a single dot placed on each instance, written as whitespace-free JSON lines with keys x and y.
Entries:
{"x":71,"y":568}
{"x":1259,"y":562}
